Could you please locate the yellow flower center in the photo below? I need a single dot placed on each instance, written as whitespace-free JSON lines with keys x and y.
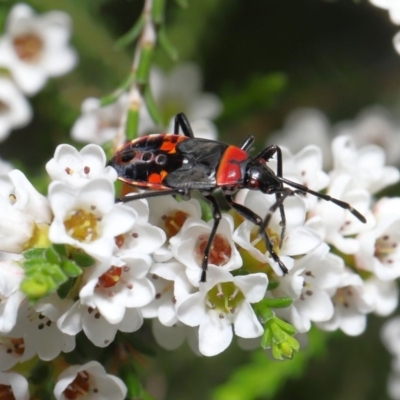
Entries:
{"x":225,"y":297}
{"x":28,"y":47}
{"x":82,"y":225}
{"x":258,"y":242}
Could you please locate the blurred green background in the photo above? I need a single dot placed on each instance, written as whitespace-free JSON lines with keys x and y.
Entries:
{"x":263,"y":58}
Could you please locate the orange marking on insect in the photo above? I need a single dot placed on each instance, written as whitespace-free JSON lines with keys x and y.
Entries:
{"x":157,"y":178}
{"x":170,"y":142}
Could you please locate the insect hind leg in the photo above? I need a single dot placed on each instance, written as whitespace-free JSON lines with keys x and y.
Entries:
{"x":182,"y":122}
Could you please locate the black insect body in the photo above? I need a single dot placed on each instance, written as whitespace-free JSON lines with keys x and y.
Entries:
{"x":173,"y":164}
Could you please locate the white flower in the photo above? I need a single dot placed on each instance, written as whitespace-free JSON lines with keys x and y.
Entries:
{"x":311,"y":283}
{"x":352,"y":302}
{"x":162,"y":276}
{"x":14,"y":386}
{"x":89,"y":382}
{"x":173,"y":97}
{"x":11,"y":275}
{"x":384,"y":293}
{"x":78,"y":167}
{"x":336,"y":225}
{"x":98,"y":330}
{"x":35,"y":47}
{"x":5,"y":167}
{"x":88,"y":218}
{"x":22,"y":210}
{"x":390,"y":335}
{"x":15,"y":111}
{"x":143,"y":237}
{"x":13,"y":351}
{"x":99,"y":124}
{"x":303,"y":127}
{"x":172,"y":337}
{"x":123,"y":285}
{"x":305,"y":168}
{"x":298,"y":240}
{"x":221,"y":303}
{"x":374,"y":125}
{"x":380,"y":247}
{"x":189,"y":244}
{"x":170,"y":214}
{"x":37,"y":325}
{"x":366,"y":166}
{"x":392,"y":6}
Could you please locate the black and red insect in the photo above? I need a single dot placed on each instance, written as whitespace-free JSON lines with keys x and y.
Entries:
{"x":174,"y":164}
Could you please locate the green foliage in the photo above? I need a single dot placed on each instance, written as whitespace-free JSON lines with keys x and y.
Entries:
{"x":50,"y":269}
{"x":259,"y":94}
{"x":262,"y":377}
{"x":278,"y":334}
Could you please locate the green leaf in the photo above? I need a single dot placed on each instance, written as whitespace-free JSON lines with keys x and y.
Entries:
{"x":123,"y":87}
{"x":61,"y":249}
{"x":167,"y":46}
{"x":151,"y":106}
{"x":281,"y":302}
{"x":132,"y":124}
{"x":64,"y":289}
{"x":130,"y":36}
{"x":71,"y":268}
{"x":157,"y":11}
{"x":51,"y":255}
{"x":143,"y":69}
{"x":37,"y":286}
{"x":33,"y":253}
{"x":81,"y":258}
{"x":182,"y":3}
{"x":131,"y":380}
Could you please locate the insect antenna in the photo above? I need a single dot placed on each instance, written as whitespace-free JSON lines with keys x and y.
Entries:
{"x":342,"y":204}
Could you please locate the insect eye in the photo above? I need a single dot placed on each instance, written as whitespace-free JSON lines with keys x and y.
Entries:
{"x":127,"y":156}
{"x":147,"y":156}
{"x":161,"y":159}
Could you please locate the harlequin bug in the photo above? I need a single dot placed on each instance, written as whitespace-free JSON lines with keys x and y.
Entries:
{"x":172,"y":164}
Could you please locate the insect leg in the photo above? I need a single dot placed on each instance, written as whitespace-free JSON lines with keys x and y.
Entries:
{"x":247,"y":143}
{"x":217,"y":217}
{"x":257,"y":220}
{"x":266,"y":155}
{"x":182,"y":122}
{"x":342,"y":204}
{"x":149,"y":194}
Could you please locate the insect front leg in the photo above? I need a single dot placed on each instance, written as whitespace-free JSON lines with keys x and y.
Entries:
{"x":266,"y":155}
{"x":257,"y":220}
{"x":217,"y":217}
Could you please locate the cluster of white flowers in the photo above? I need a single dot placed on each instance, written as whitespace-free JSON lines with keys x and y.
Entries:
{"x":148,"y":254}
{"x":393,"y":8}
{"x":99,"y":124}
{"x":32,"y":49}
{"x":124,"y":263}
